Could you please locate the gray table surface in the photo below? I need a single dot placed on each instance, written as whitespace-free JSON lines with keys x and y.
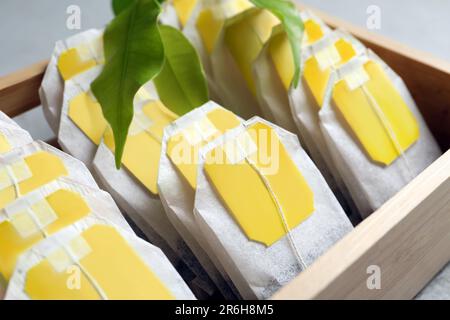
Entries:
{"x":29,"y":29}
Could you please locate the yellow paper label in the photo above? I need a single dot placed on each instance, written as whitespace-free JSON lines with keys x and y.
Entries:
{"x":281,"y":52}
{"x":45,"y":167}
{"x":250,"y":201}
{"x":313,"y":31}
{"x":4,"y":144}
{"x":68,"y":207}
{"x":71,"y":63}
{"x":211,"y":20}
{"x":317,"y":77}
{"x":87,"y":115}
{"x":111,"y":262}
{"x":143,"y":150}
{"x":377,"y":115}
{"x":183,"y":148}
{"x":184,"y":9}
{"x":245,"y":40}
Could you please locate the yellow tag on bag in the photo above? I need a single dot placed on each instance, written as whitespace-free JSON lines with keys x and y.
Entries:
{"x":281,"y":52}
{"x":246,"y":38}
{"x":72,"y":62}
{"x":143,"y":147}
{"x":106,"y":264}
{"x":260,"y":184}
{"x":376,"y":113}
{"x":318,"y":68}
{"x":43,"y":166}
{"x":211,"y":21}
{"x":5,"y":146}
{"x":184,"y":9}
{"x":87,"y":115}
{"x":183,"y":148}
{"x":26,"y":228}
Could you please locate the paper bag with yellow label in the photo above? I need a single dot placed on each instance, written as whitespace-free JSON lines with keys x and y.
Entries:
{"x":264,"y":208}
{"x":233,"y":33}
{"x":274,"y":68}
{"x":95,"y":260}
{"x":134,"y":186}
{"x":192,"y":32}
{"x":30,"y":167}
{"x":12,"y":136}
{"x":374,"y":132}
{"x":82,"y":124}
{"x":70,"y":57}
{"x":39,"y":214}
{"x":182,"y":142}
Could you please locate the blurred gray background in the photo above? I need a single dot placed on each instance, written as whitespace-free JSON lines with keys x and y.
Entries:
{"x":29,"y":29}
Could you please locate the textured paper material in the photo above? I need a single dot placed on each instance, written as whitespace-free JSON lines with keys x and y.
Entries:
{"x":76,"y":170}
{"x":146,"y":209}
{"x":14,"y":136}
{"x":178,"y":201}
{"x":96,"y":203}
{"x":191,"y":32}
{"x":371,"y":184}
{"x":256,"y":270}
{"x":234,"y":90}
{"x":70,"y":137}
{"x":153,"y":258}
{"x":52,"y":87}
{"x":296,"y":109}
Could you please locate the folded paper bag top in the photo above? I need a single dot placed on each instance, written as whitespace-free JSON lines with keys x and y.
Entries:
{"x":134,"y":186}
{"x":94,"y":259}
{"x":234,"y":32}
{"x":374,"y":131}
{"x":12,"y":136}
{"x":264,"y":208}
{"x":280,"y":52}
{"x":45,"y":211}
{"x":27,"y":168}
{"x":204,"y":125}
{"x":177,"y":179}
{"x":70,"y":57}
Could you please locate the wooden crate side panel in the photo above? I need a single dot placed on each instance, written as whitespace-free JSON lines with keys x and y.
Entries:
{"x":19,"y":90}
{"x":408,"y":238}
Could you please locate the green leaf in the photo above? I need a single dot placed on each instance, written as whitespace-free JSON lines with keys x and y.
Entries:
{"x":134,"y":54}
{"x":181,"y":84}
{"x":120,"y":5}
{"x":289,"y":16}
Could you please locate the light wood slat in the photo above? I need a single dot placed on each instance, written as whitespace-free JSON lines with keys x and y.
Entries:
{"x":19,"y":90}
{"x":408,"y":238}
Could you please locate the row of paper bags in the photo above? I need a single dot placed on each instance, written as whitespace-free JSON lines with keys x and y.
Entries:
{"x":61,"y":237}
{"x":249,"y":219}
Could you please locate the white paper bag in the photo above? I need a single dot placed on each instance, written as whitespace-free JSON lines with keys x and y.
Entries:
{"x":13,"y":136}
{"x":52,"y":87}
{"x":70,"y":137}
{"x":177,"y":198}
{"x":49,"y":209}
{"x":74,"y":169}
{"x":145,"y":208}
{"x":69,"y":248}
{"x":257,"y":270}
{"x":371,"y":184}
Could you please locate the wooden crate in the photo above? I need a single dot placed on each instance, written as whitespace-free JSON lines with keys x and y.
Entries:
{"x":408,"y":237}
